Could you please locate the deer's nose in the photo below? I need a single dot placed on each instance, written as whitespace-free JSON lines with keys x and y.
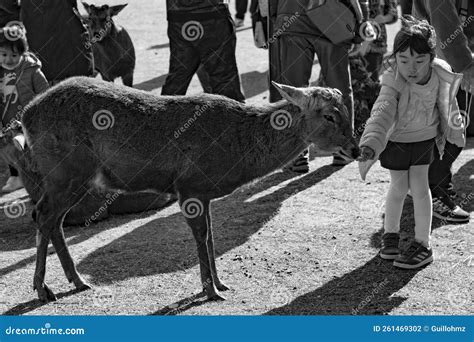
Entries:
{"x":355,"y":152}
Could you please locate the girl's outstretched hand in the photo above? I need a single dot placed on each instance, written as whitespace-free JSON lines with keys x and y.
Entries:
{"x":366,"y":153}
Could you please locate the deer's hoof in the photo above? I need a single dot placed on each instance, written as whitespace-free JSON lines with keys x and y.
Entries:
{"x":222,"y":287}
{"x":83,"y":287}
{"x":215,"y":296}
{"x":45,"y":294}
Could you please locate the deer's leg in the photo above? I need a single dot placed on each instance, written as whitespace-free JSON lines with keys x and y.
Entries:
{"x":212,"y":258}
{"x":51,"y":211}
{"x":197,"y":220}
{"x":65,"y":258}
{"x":46,"y":225}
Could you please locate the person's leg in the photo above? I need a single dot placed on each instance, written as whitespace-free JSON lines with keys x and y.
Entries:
{"x":393,"y":212}
{"x":13,"y":171}
{"x":420,"y":192}
{"x":440,"y":179}
{"x":241,"y":8}
{"x":418,"y":252}
{"x":407,"y":6}
{"x":217,"y":53}
{"x":374,"y":63}
{"x":394,"y":202}
{"x":184,"y":61}
{"x":296,"y":58}
{"x":334,"y":61}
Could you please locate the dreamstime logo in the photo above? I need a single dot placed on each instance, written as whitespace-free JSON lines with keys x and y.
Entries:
{"x":281,"y":119}
{"x":192,"y":208}
{"x":459,"y":119}
{"x":14,"y":209}
{"x":459,"y":297}
{"x":192,"y":30}
{"x":102,"y":296}
{"x":103,"y":119}
{"x":369,"y":30}
{"x":14,"y":30}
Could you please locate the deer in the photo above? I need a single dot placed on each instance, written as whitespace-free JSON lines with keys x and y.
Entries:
{"x":95,"y":206}
{"x":112,"y":47}
{"x":89,"y":134}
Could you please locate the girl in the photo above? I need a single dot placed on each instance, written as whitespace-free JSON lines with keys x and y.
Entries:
{"x":415,"y":110}
{"x":21,"y":79}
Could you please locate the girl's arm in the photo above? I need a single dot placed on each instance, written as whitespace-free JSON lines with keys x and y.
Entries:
{"x":40,"y":83}
{"x":382,"y":116}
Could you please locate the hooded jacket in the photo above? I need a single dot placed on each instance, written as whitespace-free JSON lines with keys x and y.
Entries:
{"x":20,"y":86}
{"x":394,"y":93}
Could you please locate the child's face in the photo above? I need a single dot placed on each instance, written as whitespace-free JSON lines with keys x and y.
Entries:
{"x":9,"y":58}
{"x":414,"y":67}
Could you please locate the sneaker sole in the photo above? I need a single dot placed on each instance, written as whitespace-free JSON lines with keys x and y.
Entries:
{"x":450,"y":219}
{"x":410,"y":267}
{"x":388,"y":256}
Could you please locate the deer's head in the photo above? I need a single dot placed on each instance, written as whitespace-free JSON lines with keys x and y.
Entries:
{"x":327,"y":120}
{"x":100,"y":19}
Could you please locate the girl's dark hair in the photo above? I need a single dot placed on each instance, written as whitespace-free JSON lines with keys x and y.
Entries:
{"x":16,"y":43}
{"x":417,"y":35}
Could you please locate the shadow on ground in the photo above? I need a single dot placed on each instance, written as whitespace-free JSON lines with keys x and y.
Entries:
{"x":367,"y":290}
{"x":167,"y":245}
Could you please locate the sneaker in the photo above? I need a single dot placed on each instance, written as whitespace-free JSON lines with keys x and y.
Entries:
{"x":239,"y":22}
{"x":389,"y":249}
{"x":13,"y":183}
{"x":300,"y":164}
{"x":449,"y":212}
{"x":338,"y":160}
{"x":416,"y":255}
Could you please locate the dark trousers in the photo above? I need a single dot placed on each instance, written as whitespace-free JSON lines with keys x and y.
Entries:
{"x":241,"y":8}
{"x":296,"y":59}
{"x":407,"y":6}
{"x":374,"y":63}
{"x":440,"y":175}
{"x":13,"y":171}
{"x":211,"y":44}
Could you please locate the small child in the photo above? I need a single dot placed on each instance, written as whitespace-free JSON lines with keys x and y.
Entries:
{"x":415,"y":110}
{"x":21,"y":79}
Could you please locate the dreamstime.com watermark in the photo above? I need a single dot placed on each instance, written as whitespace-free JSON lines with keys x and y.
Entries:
{"x":287,"y":22}
{"x":46,"y":330}
{"x":281,"y":119}
{"x":103,"y":119}
{"x":444,"y":44}
{"x":102,"y":209}
{"x":197,"y":113}
{"x":14,"y":209}
{"x":375,"y":291}
{"x":192,"y":208}
{"x":192,"y":30}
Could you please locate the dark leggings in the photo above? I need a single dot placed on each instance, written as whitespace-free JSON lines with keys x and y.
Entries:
{"x":13,"y":171}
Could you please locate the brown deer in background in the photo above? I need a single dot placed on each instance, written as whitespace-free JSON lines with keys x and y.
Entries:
{"x":114,"y":54}
{"x":88,"y":134}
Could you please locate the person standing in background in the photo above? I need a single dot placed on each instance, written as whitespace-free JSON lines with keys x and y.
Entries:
{"x":202,"y":32}
{"x":456,"y":47}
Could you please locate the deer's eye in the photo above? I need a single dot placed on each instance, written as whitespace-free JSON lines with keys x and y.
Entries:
{"x":329,"y":118}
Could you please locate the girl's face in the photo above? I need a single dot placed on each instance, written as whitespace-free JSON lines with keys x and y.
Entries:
{"x":414,"y":67}
{"x":9,"y":58}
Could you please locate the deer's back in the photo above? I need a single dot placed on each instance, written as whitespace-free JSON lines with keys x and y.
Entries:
{"x":138,"y":136}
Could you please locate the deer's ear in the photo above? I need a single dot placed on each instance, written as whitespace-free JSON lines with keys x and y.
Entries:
{"x":114,"y":10}
{"x":292,"y":94}
{"x":86,"y":6}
